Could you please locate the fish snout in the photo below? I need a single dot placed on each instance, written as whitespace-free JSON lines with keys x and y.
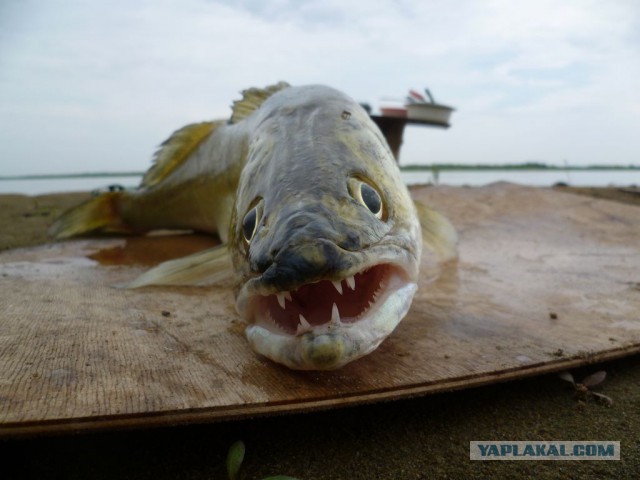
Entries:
{"x":307,"y":243}
{"x":298,"y":263}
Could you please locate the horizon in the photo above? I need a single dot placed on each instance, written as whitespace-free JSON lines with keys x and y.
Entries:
{"x":531,"y":165}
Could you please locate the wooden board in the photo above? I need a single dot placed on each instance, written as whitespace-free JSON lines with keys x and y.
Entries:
{"x":545,"y":281}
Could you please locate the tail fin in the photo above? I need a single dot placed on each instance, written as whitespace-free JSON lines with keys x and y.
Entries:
{"x":100,"y":214}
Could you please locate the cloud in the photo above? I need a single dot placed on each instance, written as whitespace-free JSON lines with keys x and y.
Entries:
{"x":96,"y":85}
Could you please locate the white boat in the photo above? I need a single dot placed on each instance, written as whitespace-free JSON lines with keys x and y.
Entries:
{"x":430,"y":112}
{"x":426,"y":109}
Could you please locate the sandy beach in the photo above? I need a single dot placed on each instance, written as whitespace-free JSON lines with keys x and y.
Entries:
{"x":418,"y":438}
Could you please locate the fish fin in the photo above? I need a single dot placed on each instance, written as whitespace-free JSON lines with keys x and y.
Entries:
{"x":438,"y":234}
{"x":176,"y":149}
{"x":97,"y":214}
{"x":211,"y":266}
{"x":252,"y":99}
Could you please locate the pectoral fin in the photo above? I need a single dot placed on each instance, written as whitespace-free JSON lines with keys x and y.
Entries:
{"x":438,"y":234}
{"x":211,"y":266}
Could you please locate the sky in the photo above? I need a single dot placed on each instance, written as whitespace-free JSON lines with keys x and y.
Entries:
{"x":92,"y":86}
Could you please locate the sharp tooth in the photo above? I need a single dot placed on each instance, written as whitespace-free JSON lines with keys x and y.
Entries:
{"x":351,"y":281}
{"x":281,"y":297}
{"x":287,"y":295}
{"x":304,"y":323}
{"x":338,"y":285}
{"x":335,"y":314}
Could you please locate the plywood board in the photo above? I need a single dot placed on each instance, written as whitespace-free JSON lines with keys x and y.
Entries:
{"x":545,"y":281}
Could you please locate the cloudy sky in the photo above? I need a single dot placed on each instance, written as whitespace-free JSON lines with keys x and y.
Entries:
{"x":96,"y":85}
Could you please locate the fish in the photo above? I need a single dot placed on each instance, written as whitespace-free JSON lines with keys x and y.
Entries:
{"x":320,"y":237}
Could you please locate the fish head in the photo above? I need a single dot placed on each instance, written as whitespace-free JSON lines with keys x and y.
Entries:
{"x":324,"y":236}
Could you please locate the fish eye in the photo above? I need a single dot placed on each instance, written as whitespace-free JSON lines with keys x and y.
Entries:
{"x":367,"y":196}
{"x":371,"y":199}
{"x":250,"y":224}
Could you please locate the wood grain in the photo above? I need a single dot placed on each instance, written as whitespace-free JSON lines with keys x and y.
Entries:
{"x":545,"y":281}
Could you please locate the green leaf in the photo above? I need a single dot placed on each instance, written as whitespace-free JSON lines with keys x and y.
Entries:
{"x":234,"y":459}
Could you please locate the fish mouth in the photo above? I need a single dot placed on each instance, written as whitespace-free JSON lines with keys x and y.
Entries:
{"x":325,"y":324}
{"x":327,"y":303}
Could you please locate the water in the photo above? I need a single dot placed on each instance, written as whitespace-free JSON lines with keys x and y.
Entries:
{"x":55,"y":185}
{"x":594,"y":178}
{"x":538,"y":178}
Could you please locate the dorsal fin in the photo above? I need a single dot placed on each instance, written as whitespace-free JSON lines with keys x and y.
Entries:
{"x":252,"y":99}
{"x":176,"y":149}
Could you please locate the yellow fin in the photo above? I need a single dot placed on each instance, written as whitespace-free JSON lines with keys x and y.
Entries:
{"x":99,"y":214}
{"x":438,"y":234}
{"x":176,"y":149}
{"x":211,"y":266}
{"x":252,"y":99}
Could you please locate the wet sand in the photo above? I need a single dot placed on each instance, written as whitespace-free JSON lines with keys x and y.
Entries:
{"x":414,"y":439}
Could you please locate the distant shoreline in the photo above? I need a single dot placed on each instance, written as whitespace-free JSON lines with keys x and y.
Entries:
{"x":406,"y":168}
{"x":52,"y":176}
{"x":519,"y":166}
